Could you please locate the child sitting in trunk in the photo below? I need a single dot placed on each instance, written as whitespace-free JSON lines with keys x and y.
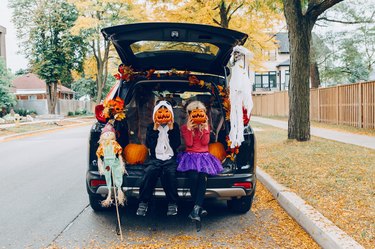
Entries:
{"x":196,"y":160}
{"x":162,"y":139}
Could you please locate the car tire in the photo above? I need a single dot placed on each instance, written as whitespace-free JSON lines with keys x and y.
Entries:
{"x":241,"y":205}
{"x":95,"y":203}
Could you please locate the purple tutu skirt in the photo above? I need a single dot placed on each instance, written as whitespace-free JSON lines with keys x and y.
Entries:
{"x":199,"y":161}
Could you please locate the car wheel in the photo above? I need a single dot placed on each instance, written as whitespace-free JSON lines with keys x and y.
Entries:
{"x":95,"y":203}
{"x":241,"y":205}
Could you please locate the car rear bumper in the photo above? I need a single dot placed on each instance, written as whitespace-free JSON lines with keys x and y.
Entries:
{"x":219,"y":193}
{"x":220,"y":187}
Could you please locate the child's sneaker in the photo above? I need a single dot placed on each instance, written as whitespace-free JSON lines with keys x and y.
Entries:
{"x":172,"y":209}
{"x":142,"y":209}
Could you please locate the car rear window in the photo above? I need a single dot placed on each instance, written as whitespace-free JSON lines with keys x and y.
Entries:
{"x":152,"y":46}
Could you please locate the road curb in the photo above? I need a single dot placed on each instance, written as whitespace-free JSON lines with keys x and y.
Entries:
{"x":30,"y":133}
{"x":322,"y":230}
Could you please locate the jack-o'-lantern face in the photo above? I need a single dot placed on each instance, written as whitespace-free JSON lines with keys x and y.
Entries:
{"x":198,"y":116}
{"x":163,"y":116}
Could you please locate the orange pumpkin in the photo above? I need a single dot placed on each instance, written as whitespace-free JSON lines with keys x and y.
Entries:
{"x":217,"y":150}
{"x":163,"y":116}
{"x":135,"y":153}
{"x":198,"y":116}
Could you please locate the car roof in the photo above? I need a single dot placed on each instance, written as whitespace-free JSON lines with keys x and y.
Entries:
{"x":124,"y":36}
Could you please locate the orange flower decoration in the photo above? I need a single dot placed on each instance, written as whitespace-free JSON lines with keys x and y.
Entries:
{"x":114,"y":108}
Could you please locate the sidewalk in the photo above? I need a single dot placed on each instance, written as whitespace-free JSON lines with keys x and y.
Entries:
{"x":344,"y":137}
{"x":76,"y":121}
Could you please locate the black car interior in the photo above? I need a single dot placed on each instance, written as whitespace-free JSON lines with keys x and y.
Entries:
{"x":145,"y":94}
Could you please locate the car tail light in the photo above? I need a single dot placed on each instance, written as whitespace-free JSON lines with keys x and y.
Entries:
{"x":112,"y":92}
{"x":245,"y":185}
{"x":96,"y":183}
{"x":99,"y":113}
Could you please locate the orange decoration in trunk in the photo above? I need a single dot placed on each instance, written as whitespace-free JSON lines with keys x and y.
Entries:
{"x":163,"y":116}
{"x":135,"y":153}
{"x":198,"y":116}
{"x":217,"y":150}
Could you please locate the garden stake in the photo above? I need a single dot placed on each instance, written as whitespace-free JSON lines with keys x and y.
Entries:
{"x":118,"y":215}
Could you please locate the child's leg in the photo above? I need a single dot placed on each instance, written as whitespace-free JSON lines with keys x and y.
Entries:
{"x":169,"y":180}
{"x":193,"y":182}
{"x":201,"y":189}
{"x":149,"y":182}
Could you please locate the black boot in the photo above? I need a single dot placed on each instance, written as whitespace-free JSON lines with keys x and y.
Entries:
{"x":194,"y":215}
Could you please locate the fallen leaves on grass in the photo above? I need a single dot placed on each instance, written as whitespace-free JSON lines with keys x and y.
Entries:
{"x":335,"y":178}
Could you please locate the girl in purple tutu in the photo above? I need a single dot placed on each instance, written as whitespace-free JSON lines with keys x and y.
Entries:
{"x":196,"y":160}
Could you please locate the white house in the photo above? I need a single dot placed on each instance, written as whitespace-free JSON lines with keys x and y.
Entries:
{"x":275,"y":77}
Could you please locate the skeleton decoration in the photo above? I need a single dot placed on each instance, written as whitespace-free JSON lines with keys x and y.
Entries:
{"x":112,"y":165}
{"x":239,"y":93}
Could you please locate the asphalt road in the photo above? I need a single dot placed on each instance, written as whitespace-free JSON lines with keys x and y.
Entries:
{"x":44,"y":203}
{"x":42,"y":186}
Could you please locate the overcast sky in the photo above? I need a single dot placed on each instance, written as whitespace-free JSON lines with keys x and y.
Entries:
{"x":14,"y":61}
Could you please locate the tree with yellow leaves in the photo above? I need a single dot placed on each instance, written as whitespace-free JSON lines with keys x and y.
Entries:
{"x":93,"y":16}
{"x":259,"y":19}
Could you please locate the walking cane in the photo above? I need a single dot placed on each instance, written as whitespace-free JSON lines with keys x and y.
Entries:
{"x":117,"y":212}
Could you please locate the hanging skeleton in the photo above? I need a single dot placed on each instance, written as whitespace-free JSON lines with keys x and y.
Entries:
{"x":112,"y":165}
{"x":239,"y":93}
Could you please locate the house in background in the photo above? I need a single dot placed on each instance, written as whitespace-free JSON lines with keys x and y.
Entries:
{"x":275,"y":77}
{"x":31,"y":94}
{"x":31,"y":87}
{"x":2,"y":42}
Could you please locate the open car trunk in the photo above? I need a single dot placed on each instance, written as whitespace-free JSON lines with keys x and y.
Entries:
{"x":179,"y":94}
{"x":183,"y":46}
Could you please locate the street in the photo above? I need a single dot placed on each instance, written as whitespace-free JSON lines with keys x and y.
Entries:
{"x":44,"y":203}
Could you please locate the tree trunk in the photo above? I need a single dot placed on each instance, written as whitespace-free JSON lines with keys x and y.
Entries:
{"x":300,"y":24}
{"x":99,"y":83}
{"x":224,"y":22}
{"x":299,"y":90}
{"x":314,"y":75}
{"x":102,"y":66}
{"x":51,"y":97}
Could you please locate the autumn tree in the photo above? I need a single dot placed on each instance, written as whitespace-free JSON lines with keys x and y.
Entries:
{"x":43,"y":28}
{"x":7,"y":98}
{"x":93,"y":16}
{"x":300,"y":21}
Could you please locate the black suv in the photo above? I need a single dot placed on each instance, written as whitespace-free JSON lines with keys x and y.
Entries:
{"x":187,"y":62}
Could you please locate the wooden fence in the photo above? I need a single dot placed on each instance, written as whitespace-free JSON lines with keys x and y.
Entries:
{"x":352,"y":104}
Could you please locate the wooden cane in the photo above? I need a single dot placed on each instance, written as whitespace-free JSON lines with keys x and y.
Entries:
{"x":118,"y":215}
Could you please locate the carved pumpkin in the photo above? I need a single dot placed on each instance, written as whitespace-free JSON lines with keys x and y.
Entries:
{"x":198,"y":116}
{"x":135,"y":153}
{"x":163,"y":116}
{"x":217,"y":150}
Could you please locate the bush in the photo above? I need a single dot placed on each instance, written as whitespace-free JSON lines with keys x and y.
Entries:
{"x":25,"y":112}
{"x":70,"y":113}
{"x":80,"y":112}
